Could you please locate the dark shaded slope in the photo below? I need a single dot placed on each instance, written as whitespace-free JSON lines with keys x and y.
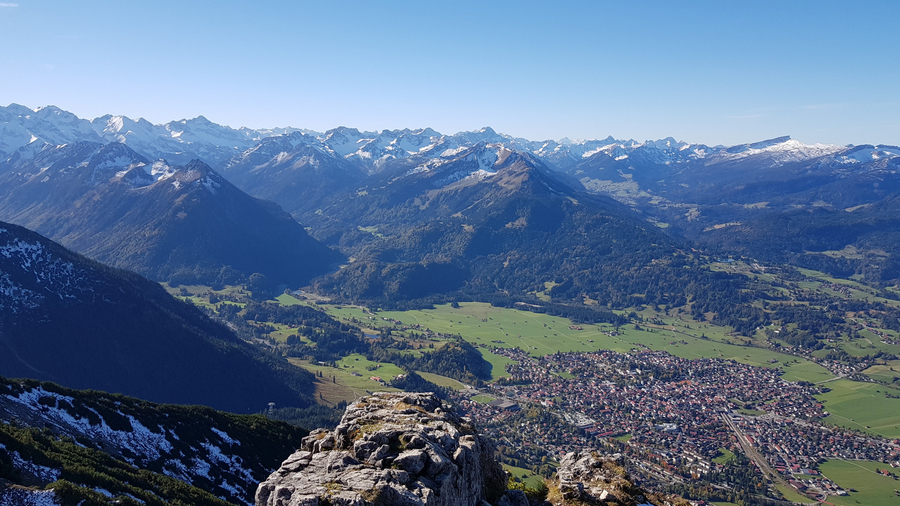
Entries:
{"x":70,"y":320}
{"x":863,"y":240}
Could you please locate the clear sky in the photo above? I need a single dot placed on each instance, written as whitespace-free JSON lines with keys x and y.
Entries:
{"x":715,"y":72}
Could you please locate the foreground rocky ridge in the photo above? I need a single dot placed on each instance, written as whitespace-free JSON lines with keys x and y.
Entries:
{"x":410,"y":449}
{"x":591,"y":478}
{"x":402,"y":449}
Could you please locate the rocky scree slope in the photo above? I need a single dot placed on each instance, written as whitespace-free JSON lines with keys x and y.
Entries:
{"x":392,"y":448}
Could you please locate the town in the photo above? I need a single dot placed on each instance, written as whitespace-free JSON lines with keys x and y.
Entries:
{"x":673,"y":417}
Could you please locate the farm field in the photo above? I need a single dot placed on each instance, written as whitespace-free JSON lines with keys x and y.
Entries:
{"x":872,"y":489}
{"x":792,"y":495}
{"x":862,"y":406}
{"x":288,"y":300}
{"x":858,"y":291}
{"x":541,"y":334}
{"x":192,"y":293}
{"x":889,"y":373}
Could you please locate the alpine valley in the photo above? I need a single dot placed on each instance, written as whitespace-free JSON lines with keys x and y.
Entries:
{"x":613,"y":321}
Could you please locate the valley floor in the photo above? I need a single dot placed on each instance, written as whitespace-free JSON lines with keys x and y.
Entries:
{"x":675,"y":395}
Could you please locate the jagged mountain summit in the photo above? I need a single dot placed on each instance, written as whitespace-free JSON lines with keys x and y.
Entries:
{"x":171,"y":223}
{"x":71,"y":320}
{"x":402,"y":449}
{"x":725,"y":197}
{"x":177,"y":141}
{"x":294,"y":170}
{"x":183,"y":140}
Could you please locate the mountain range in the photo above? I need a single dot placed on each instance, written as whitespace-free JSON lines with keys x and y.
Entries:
{"x":723,"y":198}
{"x":173,"y":223}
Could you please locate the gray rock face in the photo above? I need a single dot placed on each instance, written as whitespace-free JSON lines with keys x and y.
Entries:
{"x":392,"y":449}
{"x":590,"y":478}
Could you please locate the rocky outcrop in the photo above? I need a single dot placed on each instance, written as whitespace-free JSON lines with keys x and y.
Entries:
{"x":585,"y":478}
{"x":392,"y":449}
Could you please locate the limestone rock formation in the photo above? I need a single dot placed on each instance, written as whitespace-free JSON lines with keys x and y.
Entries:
{"x":590,"y":478}
{"x":392,"y":449}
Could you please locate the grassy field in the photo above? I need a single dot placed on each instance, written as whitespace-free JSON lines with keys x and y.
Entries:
{"x":858,"y":291}
{"x":725,"y":455}
{"x":862,"y":406}
{"x":346,"y":386}
{"x":872,"y":489}
{"x":288,"y":300}
{"x":889,"y":372}
{"x":443,"y":381}
{"x":525,"y":475}
{"x":539,"y":334}
{"x":498,"y":363}
{"x":792,"y":495}
{"x":194,"y":293}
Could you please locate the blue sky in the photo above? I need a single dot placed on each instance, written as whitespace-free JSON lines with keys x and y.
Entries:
{"x":711,"y":72}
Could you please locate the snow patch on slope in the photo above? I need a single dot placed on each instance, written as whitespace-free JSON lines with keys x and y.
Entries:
{"x":139,"y":441}
{"x":54,"y":276}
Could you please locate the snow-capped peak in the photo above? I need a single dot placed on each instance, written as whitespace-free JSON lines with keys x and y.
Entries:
{"x":782,"y":150}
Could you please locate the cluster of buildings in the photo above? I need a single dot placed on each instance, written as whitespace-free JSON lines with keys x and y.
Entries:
{"x":668,"y":411}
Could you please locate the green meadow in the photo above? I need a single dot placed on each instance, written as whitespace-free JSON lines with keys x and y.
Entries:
{"x":862,"y":406}
{"x":530,"y":479}
{"x":541,"y":334}
{"x":724,"y":457}
{"x":792,"y":495}
{"x":341,"y":384}
{"x":442,"y":381}
{"x":872,"y":489}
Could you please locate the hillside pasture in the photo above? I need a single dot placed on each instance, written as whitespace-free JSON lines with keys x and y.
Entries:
{"x":341,"y":384}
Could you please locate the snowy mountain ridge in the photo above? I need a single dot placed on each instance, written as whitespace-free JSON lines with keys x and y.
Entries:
{"x":24,"y":132}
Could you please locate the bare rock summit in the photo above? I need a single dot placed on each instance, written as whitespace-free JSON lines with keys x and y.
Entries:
{"x":392,"y":449}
